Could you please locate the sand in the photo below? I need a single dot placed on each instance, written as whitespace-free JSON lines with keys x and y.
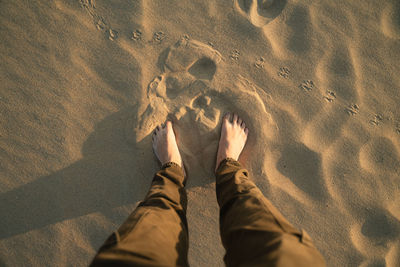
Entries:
{"x":83,"y":83}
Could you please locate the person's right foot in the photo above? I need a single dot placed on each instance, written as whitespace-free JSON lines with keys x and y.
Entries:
{"x":233,"y":138}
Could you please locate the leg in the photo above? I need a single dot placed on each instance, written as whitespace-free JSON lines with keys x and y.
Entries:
{"x":156,"y":233}
{"x":253,"y":231}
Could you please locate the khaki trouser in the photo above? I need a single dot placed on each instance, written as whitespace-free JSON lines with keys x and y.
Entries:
{"x":253,"y":231}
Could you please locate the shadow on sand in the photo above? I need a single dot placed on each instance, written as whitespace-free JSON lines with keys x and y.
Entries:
{"x":111,"y":173}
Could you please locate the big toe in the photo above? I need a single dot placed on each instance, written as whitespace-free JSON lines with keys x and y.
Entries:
{"x":168,"y":125}
{"x":227,"y":117}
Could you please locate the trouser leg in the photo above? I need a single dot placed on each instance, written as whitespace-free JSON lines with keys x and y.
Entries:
{"x":156,"y":233}
{"x":253,"y":231}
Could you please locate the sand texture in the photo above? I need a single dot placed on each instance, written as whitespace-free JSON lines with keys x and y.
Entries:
{"x":84,"y":82}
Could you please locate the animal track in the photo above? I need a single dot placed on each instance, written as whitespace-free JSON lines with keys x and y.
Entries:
{"x":112,"y":34}
{"x":137,"y":35}
{"x":234,"y":55}
{"x":100,"y":24}
{"x":260,"y":12}
{"x":376,"y":120}
{"x":98,"y":20}
{"x":330,"y":96}
{"x":284,"y":72}
{"x":158,"y":37}
{"x":352,"y":109}
{"x":307,"y":85}
{"x":259,"y":63}
{"x":87,"y":4}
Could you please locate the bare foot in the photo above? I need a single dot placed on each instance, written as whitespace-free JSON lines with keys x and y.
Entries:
{"x":233,"y":138}
{"x":164,"y":145}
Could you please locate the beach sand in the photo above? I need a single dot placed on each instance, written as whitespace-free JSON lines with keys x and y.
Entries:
{"x":83,"y":84}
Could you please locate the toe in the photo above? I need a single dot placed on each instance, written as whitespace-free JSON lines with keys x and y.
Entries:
{"x":235,"y":117}
{"x":243,"y":125}
{"x":227,"y":116}
{"x":246,"y":131}
{"x":168,"y":125}
{"x":239,"y":121}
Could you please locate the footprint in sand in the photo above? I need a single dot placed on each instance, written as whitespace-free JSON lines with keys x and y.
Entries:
{"x":87,"y":4}
{"x":189,"y":93}
{"x":112,"y":34}
{"x":204,"y":68}
{"x":376,"y":233}
{"x":259,"y":64}
{"x":234,"y":55}
{"x":390,"y":20}
{"x":98,"y":20}
{"x":293,"y":35}
{"x":284,"y":72}
{"x":187,"y":53}
{"x":307,"y":85}
{"x":380,"y":155}
{"x":260,"y":12}
{"x":137,"y":35}
{"x":303,"y":167}
{"x":380,"y":226}
{"x":330,"y":96}
{"x":100,"y":24}
{"x":353,"y":109}
{"x":158,"y":37}
{"x":183,"y":91}
{"x":376,"y":120}
{"x":337,"y":70}
{"x":376,"y":236}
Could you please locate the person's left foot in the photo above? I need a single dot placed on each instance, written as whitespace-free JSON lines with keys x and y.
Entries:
{"x":165,"y":146}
